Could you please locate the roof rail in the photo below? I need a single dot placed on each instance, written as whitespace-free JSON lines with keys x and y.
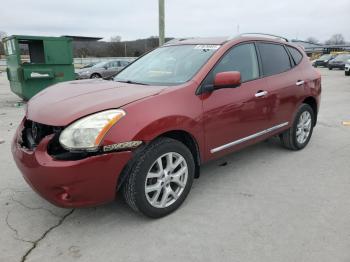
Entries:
{"x":262,"y":34}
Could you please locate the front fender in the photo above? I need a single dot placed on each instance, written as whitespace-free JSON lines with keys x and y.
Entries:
{"x":134,"y":130}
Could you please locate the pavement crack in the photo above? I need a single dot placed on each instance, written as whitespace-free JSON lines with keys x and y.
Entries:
{"x":33,"y":208}
{"x":14,"y":230}
{"x":43,"y":236}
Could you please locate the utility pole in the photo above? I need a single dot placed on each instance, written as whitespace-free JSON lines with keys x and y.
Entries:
{"x":161,"y":22}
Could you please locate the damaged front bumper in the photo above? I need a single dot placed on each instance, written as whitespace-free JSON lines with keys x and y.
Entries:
{"x":89,"y":181}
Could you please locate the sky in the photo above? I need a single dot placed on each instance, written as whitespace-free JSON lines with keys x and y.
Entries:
{"x":134,"y":19}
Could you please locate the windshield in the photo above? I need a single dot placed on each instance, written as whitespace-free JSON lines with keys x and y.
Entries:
{"x":170,"y":65}
{"x":342,"y":57}
{"x":99,"y":65}
{"x":324,"y":57}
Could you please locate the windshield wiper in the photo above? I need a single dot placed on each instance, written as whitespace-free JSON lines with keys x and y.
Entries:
{"x":132,"y":82}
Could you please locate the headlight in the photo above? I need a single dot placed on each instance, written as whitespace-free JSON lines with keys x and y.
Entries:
{"x":325,"y":61}
{"x":88,"y":132}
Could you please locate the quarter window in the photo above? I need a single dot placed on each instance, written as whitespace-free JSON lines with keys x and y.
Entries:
{"x":297,"y":56}
{"x":241,"y":58}
{"x":274,"y":59}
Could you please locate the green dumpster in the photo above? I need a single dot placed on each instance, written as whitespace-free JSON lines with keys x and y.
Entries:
{"x":36,"y":62}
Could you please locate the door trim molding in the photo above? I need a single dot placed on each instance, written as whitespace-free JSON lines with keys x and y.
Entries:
{"x":247,"y":138}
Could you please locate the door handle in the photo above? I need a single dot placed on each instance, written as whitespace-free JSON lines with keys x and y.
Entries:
{"x":261,"y":93}
{"x":300,"y":82}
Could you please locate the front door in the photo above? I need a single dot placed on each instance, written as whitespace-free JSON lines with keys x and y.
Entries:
{"x":236,"y":116}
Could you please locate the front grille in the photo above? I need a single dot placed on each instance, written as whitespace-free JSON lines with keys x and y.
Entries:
{"x":34,"y":132}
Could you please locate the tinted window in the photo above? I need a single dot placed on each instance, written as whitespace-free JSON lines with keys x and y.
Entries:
{"x":241,"y":58}
{"x":113,"y":64}
{"x":124,"y":63}
{"x":297,"y":56}
{"x":274,"y":59}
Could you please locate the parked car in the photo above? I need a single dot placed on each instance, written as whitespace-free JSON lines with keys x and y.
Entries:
{"x":146,"y":134}
{"x":102,"y":69}
{"x":323,"y":60}
{"x":347,"y":68}
{"x":338,"y":62}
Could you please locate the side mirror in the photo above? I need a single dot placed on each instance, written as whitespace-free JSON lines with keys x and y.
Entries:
{"x":229,"y":79}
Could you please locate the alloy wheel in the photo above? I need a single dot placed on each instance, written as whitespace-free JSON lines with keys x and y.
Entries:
{"x":166,"y":180}
{"x":304,"y":127}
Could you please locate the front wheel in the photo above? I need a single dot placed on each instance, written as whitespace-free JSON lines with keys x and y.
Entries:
{"x":347,"y":73}
{"x":160,"y":179}
{"x":298,"y":136}
{"x":95,"y":75}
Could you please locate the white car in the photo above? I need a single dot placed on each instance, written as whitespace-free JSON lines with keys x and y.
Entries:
{"x":347,"y":68}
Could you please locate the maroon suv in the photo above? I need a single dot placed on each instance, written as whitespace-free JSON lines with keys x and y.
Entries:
{"x":147,"y":133}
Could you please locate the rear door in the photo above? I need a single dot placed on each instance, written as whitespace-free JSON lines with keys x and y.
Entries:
{"x":285,"y":81}
{"x":235,"y":116}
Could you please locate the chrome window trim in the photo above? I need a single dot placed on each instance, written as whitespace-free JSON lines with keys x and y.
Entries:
{"x":247,"y":138}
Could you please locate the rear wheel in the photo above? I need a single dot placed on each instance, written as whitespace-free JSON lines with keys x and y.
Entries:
{"x":330,"y":68}
{"x":160,"y":178}
{"x":298,"y":136}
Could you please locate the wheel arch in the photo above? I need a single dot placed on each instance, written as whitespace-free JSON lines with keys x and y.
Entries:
{"x":180,"y":135}
{"x":188,"y":140}
{"x":311,"y":101}
{"x":95,"y":73}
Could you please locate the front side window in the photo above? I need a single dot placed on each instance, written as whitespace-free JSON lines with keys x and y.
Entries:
{"x":241,"y":58}
{"x":274,"y":58}
{"x":169,"y":65}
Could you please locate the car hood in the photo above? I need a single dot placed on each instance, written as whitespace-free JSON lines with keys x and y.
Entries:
{"x":63,"y":103}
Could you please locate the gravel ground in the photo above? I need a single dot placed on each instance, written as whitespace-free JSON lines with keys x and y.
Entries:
{"x":263,"y":203}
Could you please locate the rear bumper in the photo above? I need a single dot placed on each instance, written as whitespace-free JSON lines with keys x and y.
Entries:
{"x":81,"y":183}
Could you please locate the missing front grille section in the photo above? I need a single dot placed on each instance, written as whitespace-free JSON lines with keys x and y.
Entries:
{"x":34,"y":132}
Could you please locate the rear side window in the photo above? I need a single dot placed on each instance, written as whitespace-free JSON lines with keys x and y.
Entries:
{"x":274,"y":59}
{"x":240,"y":58}
{"x":297,"y":56}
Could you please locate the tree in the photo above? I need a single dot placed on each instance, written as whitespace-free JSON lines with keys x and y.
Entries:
{"x":116,"y":38}
{"x":2,"y":35}
{"x":336,"y":39}
{"x":312,"y":40}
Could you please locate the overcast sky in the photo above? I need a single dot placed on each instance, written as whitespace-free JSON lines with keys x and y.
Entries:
{"x":132,"y":19}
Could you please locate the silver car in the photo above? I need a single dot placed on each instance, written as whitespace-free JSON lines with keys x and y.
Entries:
{"x":347,"y":68}
{"x":102,"y":69}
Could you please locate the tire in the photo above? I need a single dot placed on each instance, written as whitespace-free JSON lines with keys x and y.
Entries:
{"x":347,"y":73}
{"x":95,"y":75}
{"x":152,"y":204}
{"x":290,"y":138}
{"x":330,"y":68}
